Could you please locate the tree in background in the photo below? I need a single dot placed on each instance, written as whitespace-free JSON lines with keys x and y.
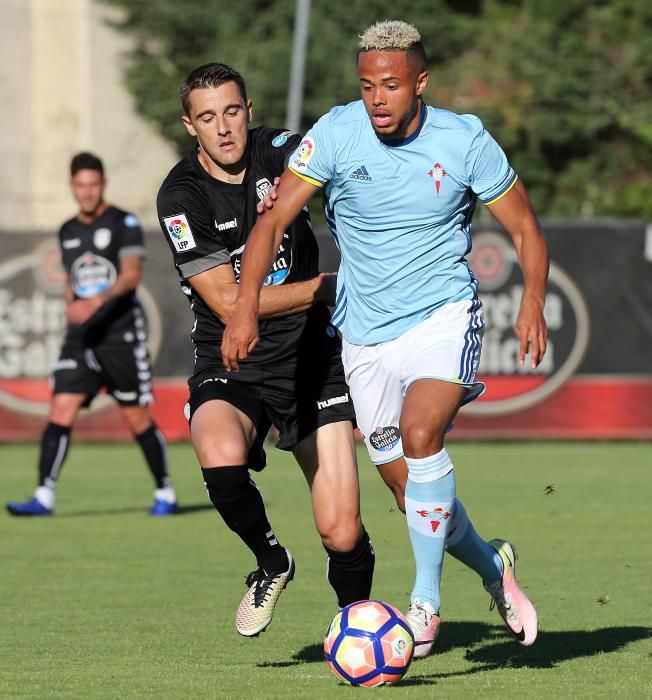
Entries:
{"x":566,"y":87}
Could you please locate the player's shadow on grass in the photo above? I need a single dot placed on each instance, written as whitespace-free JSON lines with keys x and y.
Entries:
{"x":309,"y":654}
{"x":490,"y":647}
{"x":181,"y":510}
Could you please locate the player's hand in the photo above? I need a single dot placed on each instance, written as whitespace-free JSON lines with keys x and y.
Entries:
{"x":81,"y":310}
{"x":532,"y":331}
{"x":239,"y":339}
{"x":269,"y":199}
{"x":327,"y":289}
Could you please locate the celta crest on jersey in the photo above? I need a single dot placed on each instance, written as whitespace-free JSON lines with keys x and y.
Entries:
{"x":437,"y":174}
{"x":179,"y":231}
{"x":91,"y":274}
{"x":102,"y":238}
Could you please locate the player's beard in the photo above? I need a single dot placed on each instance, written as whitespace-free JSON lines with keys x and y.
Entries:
{"x":400,"y":132}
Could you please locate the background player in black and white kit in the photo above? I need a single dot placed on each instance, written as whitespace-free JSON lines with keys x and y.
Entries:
{"x":102,"y":249}
{"x":293,"y":379}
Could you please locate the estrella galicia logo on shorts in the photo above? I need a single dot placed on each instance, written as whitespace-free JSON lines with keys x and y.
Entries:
{"x":279,"y":140}
{"x":384,"y":439}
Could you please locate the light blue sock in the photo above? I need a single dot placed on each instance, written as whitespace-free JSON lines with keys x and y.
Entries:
{"x":465,"y":544}
{"x":429,"y":497}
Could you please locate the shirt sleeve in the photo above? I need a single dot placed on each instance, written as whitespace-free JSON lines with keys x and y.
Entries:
{"x":490,"y":174}
{"x":276,"y":146}
{"x":64,"y":261}
{"x":132,"y":241}
{"x":186,"y":224}
{"x":314,"y":159}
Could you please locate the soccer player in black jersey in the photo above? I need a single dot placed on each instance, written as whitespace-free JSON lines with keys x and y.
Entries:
{"x":102,"y":250}
{"x":293,"y":379}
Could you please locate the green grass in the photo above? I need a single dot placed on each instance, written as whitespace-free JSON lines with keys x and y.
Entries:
{"x":104,"y":602}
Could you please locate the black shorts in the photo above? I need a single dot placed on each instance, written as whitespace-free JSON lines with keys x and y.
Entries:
{"x":297,"y":396}
{"x":122,"y":368}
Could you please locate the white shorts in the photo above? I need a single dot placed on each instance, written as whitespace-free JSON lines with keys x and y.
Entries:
{"x":445,"y":346}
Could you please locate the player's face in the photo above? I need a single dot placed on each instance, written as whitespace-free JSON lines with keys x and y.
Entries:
{"x":88,"y":189}
{"x":391,"y":88}
{"x":219,"y":119}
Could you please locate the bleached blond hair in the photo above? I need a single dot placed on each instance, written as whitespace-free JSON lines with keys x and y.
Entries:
{"x":389,"y":35}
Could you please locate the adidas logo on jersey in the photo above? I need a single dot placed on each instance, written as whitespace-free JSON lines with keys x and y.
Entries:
{"x":360,"y":174}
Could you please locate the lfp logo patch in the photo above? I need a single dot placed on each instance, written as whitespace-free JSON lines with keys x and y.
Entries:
{"x":179,"y":231}
{"x":303,"y":154}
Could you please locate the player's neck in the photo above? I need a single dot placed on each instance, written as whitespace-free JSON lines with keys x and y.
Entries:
{"x":231,"y":174}
{"x":90,"y":217}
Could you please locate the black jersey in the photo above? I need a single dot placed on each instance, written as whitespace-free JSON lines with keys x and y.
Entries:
{"x":206,"y":223}
{"x":91,"y":255}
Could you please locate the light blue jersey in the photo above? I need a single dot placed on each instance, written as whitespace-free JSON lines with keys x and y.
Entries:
{"x":401,"y":213}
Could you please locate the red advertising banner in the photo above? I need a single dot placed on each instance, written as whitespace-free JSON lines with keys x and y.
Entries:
{"x":595,"y":381}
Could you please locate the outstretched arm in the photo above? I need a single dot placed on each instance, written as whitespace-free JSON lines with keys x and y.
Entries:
{"x":241,"y":333}
{"x":219,"y":289}
{"x":514,"y":211}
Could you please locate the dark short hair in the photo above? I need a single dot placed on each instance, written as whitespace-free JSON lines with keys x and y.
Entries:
{"x":86,"y":161}
{"x":207,"y":76}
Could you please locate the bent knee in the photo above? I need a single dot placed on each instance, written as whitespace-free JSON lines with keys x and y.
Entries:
{"x":421,"y":439}
{"x":216,"y":452}
{"x":341,"y":537}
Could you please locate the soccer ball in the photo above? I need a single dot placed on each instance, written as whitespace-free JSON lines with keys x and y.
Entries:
{"x":369,"y":643}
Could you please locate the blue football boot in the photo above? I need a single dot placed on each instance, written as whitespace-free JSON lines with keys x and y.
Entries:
{"x":31,"y":508}
{"x":165,"y":502}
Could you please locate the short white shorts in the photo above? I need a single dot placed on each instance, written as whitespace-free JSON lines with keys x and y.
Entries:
{"x":445,"y":346}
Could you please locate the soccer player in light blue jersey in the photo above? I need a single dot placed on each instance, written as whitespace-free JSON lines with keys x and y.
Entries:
{"x":401,"y":181}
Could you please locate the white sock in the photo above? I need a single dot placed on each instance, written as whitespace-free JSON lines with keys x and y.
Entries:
{"x":166,"y":494}
{"x":45,"y":496}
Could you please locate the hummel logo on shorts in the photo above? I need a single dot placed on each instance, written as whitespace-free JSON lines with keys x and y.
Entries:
{"x":360,"y":174}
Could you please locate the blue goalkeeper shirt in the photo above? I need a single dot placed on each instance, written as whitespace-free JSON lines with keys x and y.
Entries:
{"x":400,"y":213}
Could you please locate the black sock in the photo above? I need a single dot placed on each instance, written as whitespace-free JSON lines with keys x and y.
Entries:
{"x":154,"y":447}
{"x":241,"y":506}
{"x":351,"y":573}
{"x":54,"y":447}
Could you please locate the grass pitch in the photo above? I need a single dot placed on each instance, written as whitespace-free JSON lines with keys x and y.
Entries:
{"x":103,"y":602}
